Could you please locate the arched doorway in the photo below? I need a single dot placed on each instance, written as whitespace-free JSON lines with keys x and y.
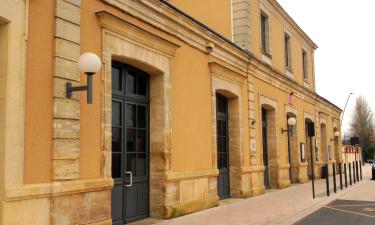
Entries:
{"x":323,"y":143}
{"x":222,"y":140}
{"x":269,"y":147}
{"x":227,"y":120}
{"x":228,"y":145}
{"x":130,"y":144}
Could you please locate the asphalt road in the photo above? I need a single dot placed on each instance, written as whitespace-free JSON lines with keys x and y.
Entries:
{"x":342,"y":212}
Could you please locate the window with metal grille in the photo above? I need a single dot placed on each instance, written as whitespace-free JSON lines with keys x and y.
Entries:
{"x":288,"y":54}
{"x":304,"y":65}
{"x":264,"y":26}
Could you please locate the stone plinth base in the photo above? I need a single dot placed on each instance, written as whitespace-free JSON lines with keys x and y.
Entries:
{"x":191,"y":206}
{"x":59,"y":203}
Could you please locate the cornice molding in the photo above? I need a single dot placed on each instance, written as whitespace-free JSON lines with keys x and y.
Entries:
{"x":58,"y":188}
{"x":126,"y":29}
{"x":162,"y":17}
{"x":170,"y":21}
{"x":221,"y":70}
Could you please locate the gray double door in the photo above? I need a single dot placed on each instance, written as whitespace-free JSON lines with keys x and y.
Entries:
{"x":130,"y":144}
{"x":223,"y":180}
{"x":265,"y":149}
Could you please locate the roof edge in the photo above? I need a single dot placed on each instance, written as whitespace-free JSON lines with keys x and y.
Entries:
{"x":328,"y":102}
{"x":292,"y":22}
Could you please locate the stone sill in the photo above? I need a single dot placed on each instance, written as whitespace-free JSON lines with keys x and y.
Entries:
{"x":188,"y":175}
{"x":267,"y":59}
{"x":250,"y":169}
{"x":56,"y":189}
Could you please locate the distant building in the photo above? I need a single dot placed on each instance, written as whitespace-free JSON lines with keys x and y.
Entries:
{"x":351,"y":153}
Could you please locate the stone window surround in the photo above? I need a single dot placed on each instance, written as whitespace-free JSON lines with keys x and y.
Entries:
{"x":266,"y":50}
{"x":288,"y":35}
{"x":305,"y":74}
{"x":266,"y":56}
{"x":223,"y":83}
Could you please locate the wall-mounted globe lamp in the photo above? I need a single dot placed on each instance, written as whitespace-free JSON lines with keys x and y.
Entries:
{"x":336,"y":136}
{"x":291,"y":122}
{"x":89,"y":63}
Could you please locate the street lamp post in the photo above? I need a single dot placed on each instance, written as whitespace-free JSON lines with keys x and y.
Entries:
{"x":346,"y":104}
{"x":290,"y":123}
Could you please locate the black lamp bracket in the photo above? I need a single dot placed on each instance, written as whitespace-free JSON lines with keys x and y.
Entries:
{"x":289,"y":130}
{"x":70,"y":89}
{"x":284,"y":130}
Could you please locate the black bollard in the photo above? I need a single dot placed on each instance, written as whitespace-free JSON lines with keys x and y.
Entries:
{"x":354,"y":179}
{"x":360,"y":169}
{"x":334,"y":177}
{"x":340,"y":176}
{"x":327,"y":178}
{"x":346,"y":177}
{"x":357,"y":170}
{"x":350,"y":173}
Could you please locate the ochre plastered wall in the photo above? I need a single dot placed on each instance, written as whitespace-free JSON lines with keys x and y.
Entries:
{"x":38,"y":99}
{"x":90,"y":133}
{"x":191,"y":111}
{"x":216,"y":14}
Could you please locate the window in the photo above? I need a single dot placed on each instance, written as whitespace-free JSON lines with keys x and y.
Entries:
{"x":304,"y":65}
{"x":264,"y":26}
{"x":288,"y":55}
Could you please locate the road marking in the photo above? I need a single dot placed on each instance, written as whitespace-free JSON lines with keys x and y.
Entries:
{"x":349,"y":205}
{"x":368,"y":209}
{"x":341,"y":210}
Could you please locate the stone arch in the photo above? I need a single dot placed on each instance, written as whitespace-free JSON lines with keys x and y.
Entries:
{"x":323,"y":143}
{"x":157,"y":63}
{"x":272,"y":134}
{"x":269,"y":106}
{"x":294,"y":153}
{"x":232,"y":91}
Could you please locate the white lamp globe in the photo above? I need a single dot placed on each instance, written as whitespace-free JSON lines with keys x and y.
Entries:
{"x":337,"y":133}
{"x":89,"y":63}
{"x":292,"y":121}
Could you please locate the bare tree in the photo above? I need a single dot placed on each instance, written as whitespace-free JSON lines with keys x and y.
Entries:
{"x":362,"y":124}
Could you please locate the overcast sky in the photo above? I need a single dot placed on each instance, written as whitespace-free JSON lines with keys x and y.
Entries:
{"x":344,"y":30}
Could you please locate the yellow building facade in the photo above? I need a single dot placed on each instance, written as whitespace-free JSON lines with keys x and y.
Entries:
{"x":191,"y":106}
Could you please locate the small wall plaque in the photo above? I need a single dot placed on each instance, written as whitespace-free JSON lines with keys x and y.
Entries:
{"x":303,"y":152}
{"x":253,"y":146}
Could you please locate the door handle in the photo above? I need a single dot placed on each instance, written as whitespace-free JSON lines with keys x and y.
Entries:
{"x":131,"y":179}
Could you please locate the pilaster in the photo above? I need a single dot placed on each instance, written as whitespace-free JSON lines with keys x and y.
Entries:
{"x":66,"y":112}
{"x":241,"y":23}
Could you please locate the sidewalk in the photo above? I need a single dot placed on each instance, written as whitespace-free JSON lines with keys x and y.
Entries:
{"x":279,"y":207}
